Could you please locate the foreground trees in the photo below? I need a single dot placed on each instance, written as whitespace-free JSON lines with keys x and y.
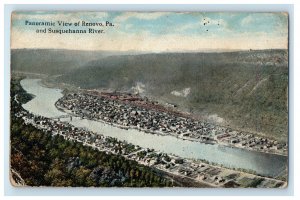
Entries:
{"x":45,"y":160}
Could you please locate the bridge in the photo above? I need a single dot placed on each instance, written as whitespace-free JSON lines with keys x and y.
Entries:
{"x":62,"y":116}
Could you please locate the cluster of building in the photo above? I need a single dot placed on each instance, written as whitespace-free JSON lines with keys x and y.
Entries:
{"x":197,"y":170}
{"x":250,"y":141}
{"x":128,"y":115}
{"x":129,"y":112}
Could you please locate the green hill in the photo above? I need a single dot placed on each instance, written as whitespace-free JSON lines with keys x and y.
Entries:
{"x":53,"y":61}
{"x":246,"y":89}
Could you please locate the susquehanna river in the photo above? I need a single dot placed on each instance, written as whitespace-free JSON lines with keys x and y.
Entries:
{"x":264,"y":164}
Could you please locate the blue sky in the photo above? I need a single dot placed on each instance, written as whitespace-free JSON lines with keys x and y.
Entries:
{"x":140,"y":31}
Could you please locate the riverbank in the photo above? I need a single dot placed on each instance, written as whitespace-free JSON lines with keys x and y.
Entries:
{"x":200,"y":173}
{"x":184,"y":148}
{"x":129,"y":111}
{"x":170,"y":163}
{"x":213,"y":134}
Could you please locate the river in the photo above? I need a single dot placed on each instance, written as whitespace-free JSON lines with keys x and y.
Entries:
{"x":263,"y":163}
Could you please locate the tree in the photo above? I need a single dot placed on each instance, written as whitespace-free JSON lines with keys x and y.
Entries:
{"x":81,"y":176}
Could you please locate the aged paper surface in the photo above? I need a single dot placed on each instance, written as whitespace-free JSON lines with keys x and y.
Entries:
{"x":153,"y":99}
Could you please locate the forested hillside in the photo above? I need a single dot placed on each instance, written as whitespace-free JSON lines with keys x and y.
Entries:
{"x":246,"y":90}
{"x":52,"y":61}
{"x":42,"y":159}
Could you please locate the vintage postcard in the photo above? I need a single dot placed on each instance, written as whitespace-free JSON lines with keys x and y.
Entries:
{"x":149,"y":99}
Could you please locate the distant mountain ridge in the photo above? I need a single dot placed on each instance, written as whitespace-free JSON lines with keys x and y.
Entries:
{"x":247,"y":90}
{"x":54,"y":61}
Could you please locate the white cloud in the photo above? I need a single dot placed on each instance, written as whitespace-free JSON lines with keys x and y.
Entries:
{"x":144,"y":41}
{"x":122,"y":40}
{"x":138,"y":15}
{"x":216,"y":22}
{"x":247,"y":20}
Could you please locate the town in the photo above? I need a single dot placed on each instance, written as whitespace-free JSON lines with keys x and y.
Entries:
{"x":194,"y":170}
{"x":132,"y":111}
